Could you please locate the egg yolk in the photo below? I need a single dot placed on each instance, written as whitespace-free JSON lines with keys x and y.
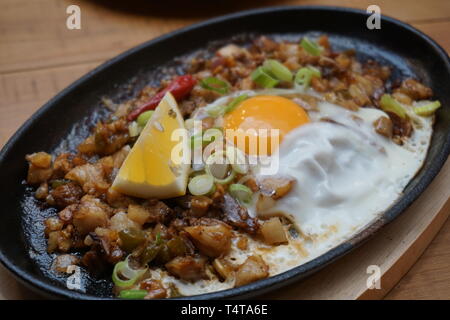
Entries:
{"x":250,"y":125}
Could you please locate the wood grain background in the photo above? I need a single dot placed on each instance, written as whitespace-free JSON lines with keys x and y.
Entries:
{"x":39,"y":56}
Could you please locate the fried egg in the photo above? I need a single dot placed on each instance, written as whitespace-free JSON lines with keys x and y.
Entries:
{"x":264,"y":112}
{"x":346,"y":174}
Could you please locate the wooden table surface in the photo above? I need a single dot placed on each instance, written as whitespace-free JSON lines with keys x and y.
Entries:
{"x":39,"y":56}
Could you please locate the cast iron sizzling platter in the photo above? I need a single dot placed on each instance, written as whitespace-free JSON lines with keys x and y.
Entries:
{"x":410,"y":52}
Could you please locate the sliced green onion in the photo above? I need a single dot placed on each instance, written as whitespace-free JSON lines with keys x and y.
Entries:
{"x":278,"y":70}
{"x":389,"y":104}
{"x":315,"y":72}
{"x":311,"y":47}
{"x":158,"y":239}
{"x":217,"y":166}
{"x":218,"y":110}
{"x":227,"y":179}
{"x":144,"y":117}
{"x":261,"y":77}
{"x":215,"y":110}
{"x":240,"y":192}
{"x":235,"y":102}
{"x":201,"y":184}
{"x":237,"y":160}
{"x":427,"y":109}
{"x":215,"y":84}
{"x":125,"y":276}
{"x":304,"y":76}
{"x":134,"y":129}
{"x":133,"y":294}
{"x":219,"y":169}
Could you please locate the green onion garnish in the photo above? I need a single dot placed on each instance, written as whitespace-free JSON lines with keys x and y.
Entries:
{"x":217,"y":165}
{"x":304,"y":76}
{"x":278,"y":70}
{"x":240,"y":192}
{"x":215,"y":84}
{"x":218,"y":110}
{"x":227,"y":179}
{"x":201,"y":184}
{"x":237,"y":160}
{"x":219,"y":168}
{"x":124,"y":276}
{"x":235,"y":102}
{"x":389,"y":104}
{"x":311,"y":47}
{"x":133,"y":294}
{"x":158,"y":239}
{"x":215,"y":110}
{"x":428,"y":109}
{"x":261,"y":77}
{"x":144,"y":117}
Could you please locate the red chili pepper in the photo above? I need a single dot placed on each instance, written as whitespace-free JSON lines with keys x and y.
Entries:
{"x":180,"y":87}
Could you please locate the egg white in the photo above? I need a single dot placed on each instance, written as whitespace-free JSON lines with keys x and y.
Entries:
{"x":346,"y":176}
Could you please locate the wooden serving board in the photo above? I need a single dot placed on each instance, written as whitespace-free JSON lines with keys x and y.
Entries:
{"x":394,"y":249}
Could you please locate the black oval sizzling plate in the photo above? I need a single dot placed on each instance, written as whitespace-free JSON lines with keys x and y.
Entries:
{"x":69,"y":114}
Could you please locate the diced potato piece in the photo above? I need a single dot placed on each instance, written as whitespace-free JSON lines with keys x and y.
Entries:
{"x":90,"y":214}
{"x":231,"y":50}
{"x":138,"y":214}
{"x":59,"y":241}
{"x":63,"y":261}
{"x":273,"y":231}
{"x":242,"y":243}
{"x":383,"y":125}
{"x":188,"y":268}
{"x":40,"y":160}
{"x":53,"y":224}
{"x":38,"y":175}
{"x":200,"y":205}
{"x":402,"y":98}
{"x":223,"y":268}
{"x":253,"y":269}
{"x":276,"y":187}
{"x":264,"y":203}
{"x":213,"y":240}
{"x":121,"y":221}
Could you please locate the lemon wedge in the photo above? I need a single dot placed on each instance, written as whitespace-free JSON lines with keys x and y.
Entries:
{"x":158,"y":164}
